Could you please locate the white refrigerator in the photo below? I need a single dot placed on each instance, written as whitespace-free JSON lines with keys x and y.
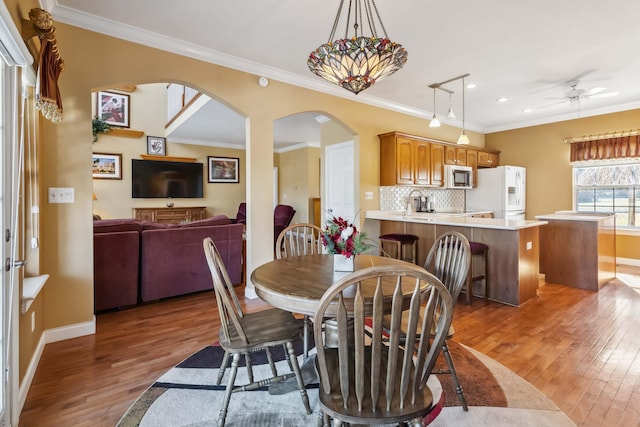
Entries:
{"x":501,"y":190}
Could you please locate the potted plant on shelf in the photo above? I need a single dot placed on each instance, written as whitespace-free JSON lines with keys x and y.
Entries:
{"x":344,"y":241}
{"x":99,"y":126}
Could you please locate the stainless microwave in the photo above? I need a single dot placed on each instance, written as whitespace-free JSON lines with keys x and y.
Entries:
{"x":460,"y":177}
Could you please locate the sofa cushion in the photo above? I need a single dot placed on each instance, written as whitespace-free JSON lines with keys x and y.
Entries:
{"x":150,"y":225}
{"x":116,"y":225}
{"x":214,"y":220}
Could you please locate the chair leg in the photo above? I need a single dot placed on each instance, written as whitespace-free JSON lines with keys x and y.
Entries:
{"x":223,"y":367}
{"x":469,"y":285}
{"x":305,"y":336}
{"x":299,"y":380}
{"x":272,"y":364}
{"x":247,"y":360}
{"x":452,"y":370}
{"x":227,"y":395}
{"x":284,"y":347}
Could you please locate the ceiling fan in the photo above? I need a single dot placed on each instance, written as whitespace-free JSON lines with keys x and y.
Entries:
{"x":575,"y":94}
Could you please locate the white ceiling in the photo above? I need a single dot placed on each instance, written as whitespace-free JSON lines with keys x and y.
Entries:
{"x":528,"y":52}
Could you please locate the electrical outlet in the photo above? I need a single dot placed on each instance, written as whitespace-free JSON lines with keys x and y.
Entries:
{"x":529,"y":246}
{"x":368,"y":195}
{"x":33,"y":321}
{"x":61,"y":195}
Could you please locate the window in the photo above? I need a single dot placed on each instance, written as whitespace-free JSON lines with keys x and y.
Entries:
{"x":609,"y":187}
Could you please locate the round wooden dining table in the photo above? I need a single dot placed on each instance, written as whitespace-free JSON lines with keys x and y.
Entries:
{"x":296,"y":284}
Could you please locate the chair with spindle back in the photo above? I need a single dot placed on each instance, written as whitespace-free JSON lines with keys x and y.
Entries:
{"x":242,"y":333}
{"x":449,"y":260}
{"x":299,"y":240}
{"x":371,"y":377}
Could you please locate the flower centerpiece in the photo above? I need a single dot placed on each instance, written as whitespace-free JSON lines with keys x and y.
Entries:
{"x":344,"y":241}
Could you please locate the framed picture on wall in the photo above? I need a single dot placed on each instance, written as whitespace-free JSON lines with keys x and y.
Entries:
{"x":107,"y":166}
{"x":224,"y":169}
{"x":156,"y":145}
{"x":113,"y":108}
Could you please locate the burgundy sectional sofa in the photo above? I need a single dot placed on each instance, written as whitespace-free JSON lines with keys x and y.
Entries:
{"x":116,"y":263}
{"x":168,"y":260}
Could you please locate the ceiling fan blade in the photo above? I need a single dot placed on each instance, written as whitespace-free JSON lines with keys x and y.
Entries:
{"x":604,"y":95}
{"x":595,"y":90}
{"x":550,"y":105}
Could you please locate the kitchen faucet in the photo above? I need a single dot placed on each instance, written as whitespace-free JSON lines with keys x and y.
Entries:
{"x":409,"y":206}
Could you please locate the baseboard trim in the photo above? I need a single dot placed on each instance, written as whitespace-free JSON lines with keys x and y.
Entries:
{"x":25,"y":385}
{"x":49,"y":336}
{"x":71,"y":331}
{"x":628,"y":261}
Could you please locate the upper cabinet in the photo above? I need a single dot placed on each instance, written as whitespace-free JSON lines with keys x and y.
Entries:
{"x":455,"y":155}
{"x":415,"y":160}
{"x":472,"y":160}
{"x":488,"y":159}
{"x":407,"y":160}
{"x":404,"y":160}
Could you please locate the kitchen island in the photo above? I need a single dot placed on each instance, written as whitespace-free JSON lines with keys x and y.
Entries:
{"x":578,"y":250}
{"x":513,"y":256}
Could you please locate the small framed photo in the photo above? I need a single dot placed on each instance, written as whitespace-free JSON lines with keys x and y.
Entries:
{"x":224,"y":169}
{"x":113,"y":108}
{"x":157,"y":145}
{"x":107,"y":166}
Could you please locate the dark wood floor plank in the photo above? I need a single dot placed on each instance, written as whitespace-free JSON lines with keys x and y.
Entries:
{"x":582,"y":349}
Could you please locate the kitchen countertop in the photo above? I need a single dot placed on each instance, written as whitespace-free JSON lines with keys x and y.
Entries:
{"x":575,"y":216}
{"x":463,"y":219}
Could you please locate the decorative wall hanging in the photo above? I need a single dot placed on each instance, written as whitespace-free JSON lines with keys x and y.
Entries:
{"x":113,"y":108}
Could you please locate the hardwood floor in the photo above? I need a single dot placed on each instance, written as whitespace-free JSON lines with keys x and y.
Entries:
{"x":582,"y":349}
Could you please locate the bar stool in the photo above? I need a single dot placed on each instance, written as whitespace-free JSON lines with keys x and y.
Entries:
{"x":477,"y":249}
{"x":400,"y":241}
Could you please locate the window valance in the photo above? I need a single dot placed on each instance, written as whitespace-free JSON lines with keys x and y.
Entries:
{"x":50,"y":65}
{"x":621,"y":145}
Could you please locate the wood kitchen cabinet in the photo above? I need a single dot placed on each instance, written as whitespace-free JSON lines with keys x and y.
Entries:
{"x":404,"y":160}
{"x":170,"y":215}
{"x":488,"y":159}
{"x":455,"y":155}
{"x":437,"y":165}
{"x":472,"y":161}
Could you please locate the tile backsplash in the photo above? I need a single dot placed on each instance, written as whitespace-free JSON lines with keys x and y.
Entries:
{"x":394,"y":198}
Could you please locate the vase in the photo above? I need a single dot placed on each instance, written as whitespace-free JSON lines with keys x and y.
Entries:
{"x":342,"y":263}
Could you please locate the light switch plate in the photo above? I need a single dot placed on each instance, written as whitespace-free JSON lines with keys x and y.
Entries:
{"x":61,"y":195}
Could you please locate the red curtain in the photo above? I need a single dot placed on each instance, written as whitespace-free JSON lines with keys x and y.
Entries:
{"x":617,"y":147}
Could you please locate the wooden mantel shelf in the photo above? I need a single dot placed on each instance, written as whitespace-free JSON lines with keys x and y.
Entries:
{"x":168,"y":158}
{"x":125,"y":133}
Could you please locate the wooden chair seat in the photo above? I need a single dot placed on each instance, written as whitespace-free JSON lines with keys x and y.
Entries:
{"x":265,"y":328}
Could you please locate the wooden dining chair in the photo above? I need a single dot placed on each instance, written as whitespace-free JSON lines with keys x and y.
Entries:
{"x":371,"y":377}
{"x":299,"y":240}
{"x":449,"y":259}
{"x":242,"y":333}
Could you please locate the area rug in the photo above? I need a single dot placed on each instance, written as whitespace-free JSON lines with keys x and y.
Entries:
{"x":187,"y":396}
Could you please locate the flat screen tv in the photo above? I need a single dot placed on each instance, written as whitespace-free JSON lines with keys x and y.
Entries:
{"x":160,"y":179}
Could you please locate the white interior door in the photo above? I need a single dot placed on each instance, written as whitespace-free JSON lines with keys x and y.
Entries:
{"x":340,"y":180}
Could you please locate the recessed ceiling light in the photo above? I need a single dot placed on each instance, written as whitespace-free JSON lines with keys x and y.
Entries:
{"x":528,"y":110}
{"x":471,"y":85}
{"x":503,"y":99}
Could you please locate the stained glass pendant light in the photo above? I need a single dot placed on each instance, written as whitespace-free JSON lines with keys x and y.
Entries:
{"x":356,"y":62}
